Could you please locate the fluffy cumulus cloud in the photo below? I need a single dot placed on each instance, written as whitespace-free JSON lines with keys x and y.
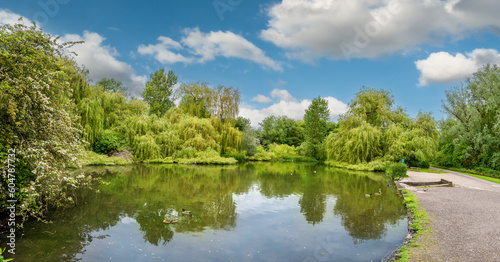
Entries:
{"x":344,"y":29}
{"x":262,"y":99}
{"x":162,"y":53}
{"x":8,"y":17}
{"x":203,"y":47}
{"x":283,"y":95}
{"x":287,"y":105}
{"x":445,"y":68}
{"x":101,"y":61}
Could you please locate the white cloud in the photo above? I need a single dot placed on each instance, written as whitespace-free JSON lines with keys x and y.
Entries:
{"x":282,"y":94}
{"x":8,"y":17}
{"x":290,"y":107}
{"x":280,"y":83}
{"x":444,"y":68}
{"x":343,"y":29}
{"x":101,"y":61}
{"x":262,"y":99}
{"x":162,"y":53}
{"x":206,"y":47}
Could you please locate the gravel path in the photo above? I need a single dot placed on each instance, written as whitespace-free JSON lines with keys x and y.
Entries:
{"x":465,"y":219}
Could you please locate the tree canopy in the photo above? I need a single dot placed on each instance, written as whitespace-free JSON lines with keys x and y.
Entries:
{"x":112,"y":85}
{"x":280,"y":130}
{"x":374,"y":129}
{"x":158,"y":92}
{"x":315,"y":121}
{"x":471,"y":135}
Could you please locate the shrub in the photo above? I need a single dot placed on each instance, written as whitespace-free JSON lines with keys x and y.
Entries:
{"x":239,"y":157}
{"x":283,"y":151}
{"x":263,"y":155}
{"x":209,"y":156}
{"x":107,"y":142}
{"x":397,"y":170}
{"x":187,"y":152}
{"x":416,"y":163}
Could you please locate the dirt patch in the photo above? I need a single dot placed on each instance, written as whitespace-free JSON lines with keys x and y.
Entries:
{"x":125,"y":154}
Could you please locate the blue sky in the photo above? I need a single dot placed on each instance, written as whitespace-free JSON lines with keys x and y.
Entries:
{"x":281,"y":54}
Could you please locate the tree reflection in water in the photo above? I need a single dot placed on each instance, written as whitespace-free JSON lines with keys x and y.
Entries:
{"x":149,"y":193}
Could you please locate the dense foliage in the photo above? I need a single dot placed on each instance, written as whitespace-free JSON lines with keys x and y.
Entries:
{"x":38,"y":120}
{"x":280,"y":130}
{"x":375,"y":130}
{"x":470,"y":137}
{"x":315,"y":120}
{"x":158,"y":93}
{"x":111,"y":85}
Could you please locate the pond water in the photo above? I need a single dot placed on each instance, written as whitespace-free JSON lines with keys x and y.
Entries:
{"x":251,"y":212}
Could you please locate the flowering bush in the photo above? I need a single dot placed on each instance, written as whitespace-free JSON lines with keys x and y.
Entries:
{"x":37,"y":83}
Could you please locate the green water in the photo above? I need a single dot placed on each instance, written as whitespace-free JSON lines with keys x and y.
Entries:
{"x":251,"y":212}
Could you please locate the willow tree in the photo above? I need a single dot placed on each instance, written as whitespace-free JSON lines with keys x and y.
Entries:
{"x":159,"y":92}
{"x":195,"y":99}
{"x":375,"y":129}
{"x":225,"y":103}
{"x":37,"y":120}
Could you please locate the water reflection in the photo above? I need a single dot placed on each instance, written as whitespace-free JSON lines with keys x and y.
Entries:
{"x":286,"y":206}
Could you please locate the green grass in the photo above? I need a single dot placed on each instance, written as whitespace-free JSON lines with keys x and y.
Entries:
{"x":90,"y":158}
{"x":427,"y":170}
{"x":208,"y":161}
{"x":372,"y":166}
{"x":420,"y":222}
{"x":299,"y":159}
{"x":491,"y":179}
{"x":2,"y":259}
{"x":473,"y":173}
{"x":167,"y":160}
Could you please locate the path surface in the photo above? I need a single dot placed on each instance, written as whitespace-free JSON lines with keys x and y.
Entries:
{"x":465,"y":219}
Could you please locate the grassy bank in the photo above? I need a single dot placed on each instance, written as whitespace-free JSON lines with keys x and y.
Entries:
{"x":427,"y":170}
{"x":468,"y":172}
{"x":90,"y":158}
{"x":372,"y":166}
{"x":93,"y":159}
{"x":420,"y":225}
{"x":485,"y":172}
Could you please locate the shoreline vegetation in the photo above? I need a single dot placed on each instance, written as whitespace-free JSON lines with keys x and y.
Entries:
{"x":418,"y":230}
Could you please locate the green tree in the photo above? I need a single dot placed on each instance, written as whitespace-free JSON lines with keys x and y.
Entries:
{"x":471,"y":135}
{"x":280,"y":130}
{"x":225,"y":103}
{"x":37,"y":118}
{"x":375,"y":129}
{"x":112,"y":85}
{"x":196,"y":99}
{"x":315,"y":120}
{"x":242,"y":123}
{"x":159,"y":91}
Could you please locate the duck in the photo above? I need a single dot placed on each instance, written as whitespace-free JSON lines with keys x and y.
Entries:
{"x":368,"y":195}
{"x":379,"y":192}
{"x":184,"y":212}
{"x":169,"y":221}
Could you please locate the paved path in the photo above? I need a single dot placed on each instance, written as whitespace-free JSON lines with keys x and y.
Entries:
{"x":465,"y":219}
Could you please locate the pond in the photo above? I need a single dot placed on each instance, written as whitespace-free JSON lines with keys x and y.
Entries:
{"x":250,"y":212}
